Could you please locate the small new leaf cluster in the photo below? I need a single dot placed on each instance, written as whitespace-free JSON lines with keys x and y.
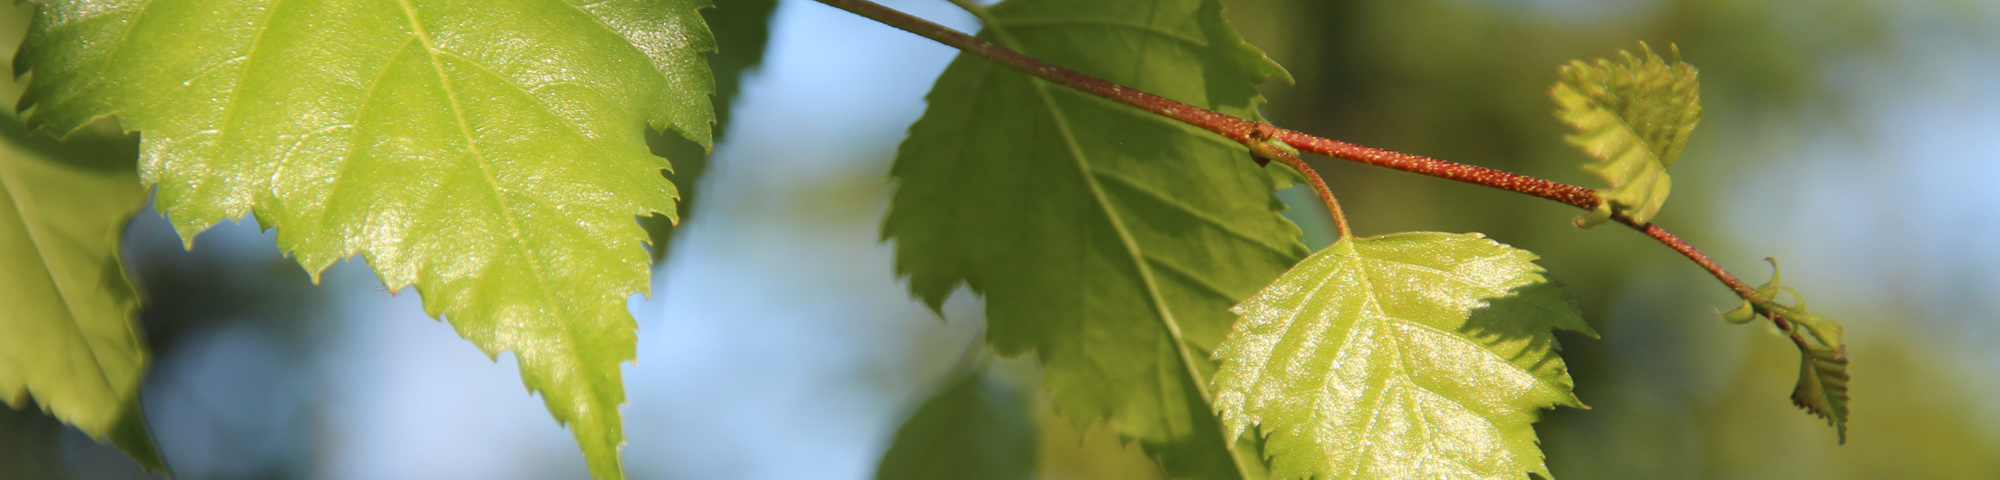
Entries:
{"x":1822,"y":386}
{"x":1633,"y":116}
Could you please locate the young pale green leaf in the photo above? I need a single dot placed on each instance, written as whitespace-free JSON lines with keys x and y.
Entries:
{"x":1822,"y":387}
{"x":490,"y":153}
{"x":1412,"y":355}
{"x":67,"y":335}
{"x":1092,"y":228}
{"x":1634,"y":117}
{"x":972,"y":428}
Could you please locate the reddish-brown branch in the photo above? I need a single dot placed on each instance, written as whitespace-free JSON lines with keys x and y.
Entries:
{"x":1743,"y":290}
{"x":1249,"y":132}
{"x":1561,"y":192}
{"x":1234,"y":128}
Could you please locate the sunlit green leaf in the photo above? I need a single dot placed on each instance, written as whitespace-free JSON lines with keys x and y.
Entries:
{"x":1412,"y":355}
{"x":68,"y":339}
{"x":490,"y":153}
{"x":972,"y":428}
{"x":1634,"y":116}
{"x":1092,"y":228}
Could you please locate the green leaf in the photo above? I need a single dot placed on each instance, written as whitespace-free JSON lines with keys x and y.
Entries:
{"x":1822,"y":387}
{"x":1411,"y":355}
{"x":490,"y":153}
{"x":1092,"y":228}
{"x":1634,"y":117}
{"x":68,"y":338}
{"x":972,"y":428}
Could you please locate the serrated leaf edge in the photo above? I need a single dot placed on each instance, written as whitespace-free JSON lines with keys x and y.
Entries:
{"x":1822,"y":386}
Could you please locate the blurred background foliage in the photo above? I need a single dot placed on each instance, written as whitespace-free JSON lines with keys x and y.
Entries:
{"x":1851,"y":139}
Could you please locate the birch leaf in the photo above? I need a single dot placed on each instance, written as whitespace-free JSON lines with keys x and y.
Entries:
{"x":492,"y":154}
{"x":1092,"y":229}
{"x":69,"y":339}
{"x":1634,"y":116}
{"x":1412,"y":355}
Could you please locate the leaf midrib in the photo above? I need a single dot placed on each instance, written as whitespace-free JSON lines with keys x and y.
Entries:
{"x":249,"y":61}
{"x":1104,"y":205}
{"x":471,"y":143}
{"x":1145,"y":190}
{"x":1408,"y":378}
{"x":1125,"y":237}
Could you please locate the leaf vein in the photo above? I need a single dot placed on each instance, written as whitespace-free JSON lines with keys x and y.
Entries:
{"x":118,"y":45}
{"x":472,"y":145}
{"x":1162,"y":199}
{"x":249,"y":58}
{"x":339,"y":181}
